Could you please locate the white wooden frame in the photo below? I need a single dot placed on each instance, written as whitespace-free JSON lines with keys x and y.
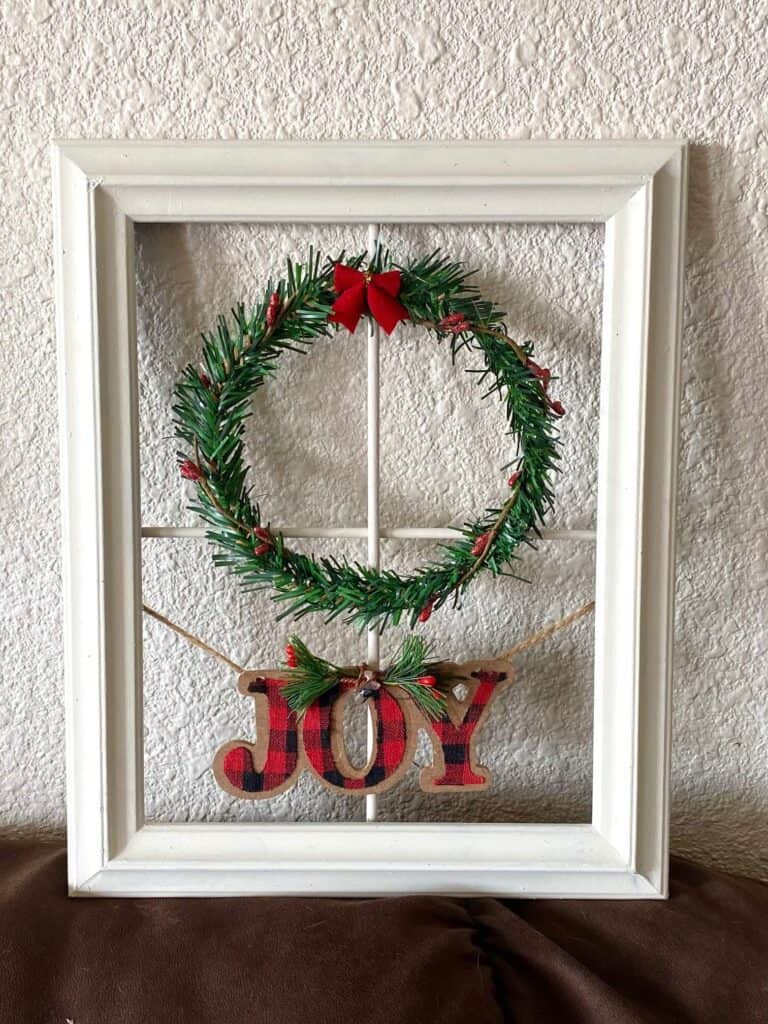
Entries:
{"x":638,"y":190}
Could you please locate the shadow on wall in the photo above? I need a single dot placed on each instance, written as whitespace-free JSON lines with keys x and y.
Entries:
{"x":723,"y":828}
{"x":722,"y":557}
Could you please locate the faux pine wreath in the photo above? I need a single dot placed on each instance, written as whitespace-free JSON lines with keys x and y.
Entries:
{"x":312,"y":301}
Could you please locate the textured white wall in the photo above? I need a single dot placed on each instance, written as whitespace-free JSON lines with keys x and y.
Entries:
{"x":352,"y":69}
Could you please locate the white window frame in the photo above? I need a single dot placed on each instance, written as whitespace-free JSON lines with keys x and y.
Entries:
{"x":638,"y":190}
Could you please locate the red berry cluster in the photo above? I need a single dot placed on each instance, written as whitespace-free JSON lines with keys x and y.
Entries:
{"x":481,"y":544}
{"x":291,"y":659}
{"x":455,"y":323}
{"x":426,"y":611}
{"x":190,"y":470}
{"x":273,"y":309}
{"x":266,"y":538}
{"x":541,"y":372}
{"x":556,"y":406}
{"x":544,"y":375}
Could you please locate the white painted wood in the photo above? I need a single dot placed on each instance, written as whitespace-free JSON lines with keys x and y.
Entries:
{"x":374,"y":530}
{"x":82,"y":517}
{"x":638,"y":190}
{"x":617,"y":569}
{"x":113,"y":248}
{"x":361,"y":532}
{"x":658,"y":495}
{"x":337,"y":182}
{"x":367,"y":860}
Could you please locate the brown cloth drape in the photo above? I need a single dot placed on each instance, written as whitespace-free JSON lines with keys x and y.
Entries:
{"x":699,"y":958}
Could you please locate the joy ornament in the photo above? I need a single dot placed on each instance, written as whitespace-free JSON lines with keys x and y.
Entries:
{"x":288,"y":743}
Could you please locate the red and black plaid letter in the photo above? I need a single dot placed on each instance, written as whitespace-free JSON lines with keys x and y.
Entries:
{"x":456,"y":741}
{"x":277,"y":735}
{"x":323,"y":741}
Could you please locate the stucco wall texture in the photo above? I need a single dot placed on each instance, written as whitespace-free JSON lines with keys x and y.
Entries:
{"x":400,"y":70}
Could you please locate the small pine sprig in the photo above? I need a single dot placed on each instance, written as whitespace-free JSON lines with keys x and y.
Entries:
{"x":411,"y":671}
{"x":308,"y":677}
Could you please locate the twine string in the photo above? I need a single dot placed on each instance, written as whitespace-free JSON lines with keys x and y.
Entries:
{"x":525,"y":645}
{"x":195,"y":640}
{"x":544,"y":634}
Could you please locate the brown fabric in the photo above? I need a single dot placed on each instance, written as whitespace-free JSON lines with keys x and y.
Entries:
{"x":700,"y":957}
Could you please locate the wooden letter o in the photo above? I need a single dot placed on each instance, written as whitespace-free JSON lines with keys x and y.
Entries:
{"x":323,"y":737}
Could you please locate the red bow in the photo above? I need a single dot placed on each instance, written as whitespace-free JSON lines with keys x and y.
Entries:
{"x":357,"y":289}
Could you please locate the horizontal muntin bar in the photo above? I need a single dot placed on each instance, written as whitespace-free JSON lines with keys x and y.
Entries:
{"x":361,"y":532}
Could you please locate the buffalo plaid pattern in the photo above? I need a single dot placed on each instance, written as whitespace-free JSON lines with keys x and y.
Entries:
{"x":390,"y":740}
{"x":456,"y":740}
{"x":282,"y":745}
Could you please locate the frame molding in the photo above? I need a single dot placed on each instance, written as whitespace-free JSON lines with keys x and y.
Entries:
{"x":638,"y":189}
